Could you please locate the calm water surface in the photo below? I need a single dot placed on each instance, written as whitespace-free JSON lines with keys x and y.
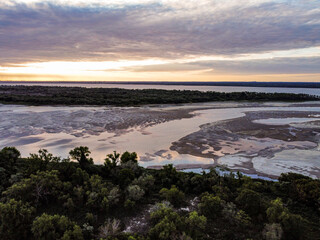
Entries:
{"x":151,"y":143}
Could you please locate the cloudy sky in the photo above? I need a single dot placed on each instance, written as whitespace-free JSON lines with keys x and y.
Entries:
{"x":164,"y":40}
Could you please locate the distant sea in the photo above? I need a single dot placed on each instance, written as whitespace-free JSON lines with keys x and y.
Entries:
{"x":288,"y":87}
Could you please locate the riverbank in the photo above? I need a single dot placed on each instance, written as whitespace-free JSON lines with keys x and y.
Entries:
{"x":49,"y":95}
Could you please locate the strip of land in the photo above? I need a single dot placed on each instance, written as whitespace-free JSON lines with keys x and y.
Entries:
{"x":231,"y":84}
{"x":45,"y":95}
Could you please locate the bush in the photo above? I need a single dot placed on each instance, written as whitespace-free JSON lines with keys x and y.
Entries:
{"x":167,"y":224}
{"x":109,"y":228}
{"x":42,"y":187}
{"x":52,"y":227}
{"x":135,"y":192}
{"x":8,"y":158}
{"x":173,"y":195}
{"x":196,"y":225}
{"x":15,"y":219}
{"x":272,"y":231}
{"x":210,"y":206}
{"x":250,"y":202}
{"x":275,"y":210}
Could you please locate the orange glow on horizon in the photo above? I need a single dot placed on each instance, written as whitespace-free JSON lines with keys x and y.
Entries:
{"x":161,"y":77}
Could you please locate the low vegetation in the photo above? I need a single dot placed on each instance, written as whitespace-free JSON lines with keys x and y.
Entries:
{"x":46,"y":197}
{"x":42,"y":95}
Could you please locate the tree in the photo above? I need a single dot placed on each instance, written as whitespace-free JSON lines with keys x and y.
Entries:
{"x":293,"y":226}
{"x":146,"y":182}
{"x":112,"y":160}
{"x":250,"y":202}
{"x":168,"y":175}
{"x":8,"y":158}
{"x":223,"y":192}
{"x":52,"y":227}
{"x":231,"y":209}
{"x":125,"y":177}
{"x":40,"y":162}
{"x":167,"y":224}
{"x":173,"y":195}
{"x":235,"y":216}
{"x":114,"y":196}
{"x":3,"y":179}
{"x":43,"y":158}
{"x":42,"y":187}
{"x":79,"y":177}
{"x":301,"y":188}
{"x":292,"y":177}
{"x":135,"y":192}
{"x":196,"y":225}
{"x":47,"y":157}
{"x":15,"y":220}
{"x":81,"y":154}
{"x":210,"y":206}
{"x":127,"y":156}
{"x":97,"y":193}
{"x":275,"y":210}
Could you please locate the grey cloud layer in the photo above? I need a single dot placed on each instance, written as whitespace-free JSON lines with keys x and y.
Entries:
{"x":45,"y":32}
{"x":265,"y":66}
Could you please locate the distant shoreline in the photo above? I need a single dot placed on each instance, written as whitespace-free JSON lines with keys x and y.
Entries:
{"x":63,"y":95}
{"x":235,"y":84}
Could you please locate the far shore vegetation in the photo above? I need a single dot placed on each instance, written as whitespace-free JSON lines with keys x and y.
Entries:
{"x":48,"y":95}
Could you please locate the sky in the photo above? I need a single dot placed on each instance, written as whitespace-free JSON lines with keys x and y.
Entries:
{"x":164,"y":40}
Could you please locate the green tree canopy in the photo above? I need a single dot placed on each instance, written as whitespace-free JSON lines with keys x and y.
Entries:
{"x":56,"y":227}
{"x":81,"y":154}
{"x":8,"y":158}
{"x":173,"y":195}
{"x":15,"y":219}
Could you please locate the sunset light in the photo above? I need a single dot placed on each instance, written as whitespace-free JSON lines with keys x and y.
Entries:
{"x":118,"y":40}
{"x":159,"y":119}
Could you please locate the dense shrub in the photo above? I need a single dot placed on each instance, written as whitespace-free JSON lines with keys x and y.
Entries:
{"x":46,"y":197}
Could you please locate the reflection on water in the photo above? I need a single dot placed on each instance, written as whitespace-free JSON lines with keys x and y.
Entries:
{"x":147,"y":142}
{"x":294,"y":160}
{"x":282,"y":121}
{"x":223,"y":172}
{"x":152,"y":143}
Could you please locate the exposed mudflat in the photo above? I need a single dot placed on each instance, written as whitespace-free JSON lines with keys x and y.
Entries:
{"x":79,"y":121}
{"x":243,"y":135}
{"x":240,"y":140}
{"x":265,"y":139}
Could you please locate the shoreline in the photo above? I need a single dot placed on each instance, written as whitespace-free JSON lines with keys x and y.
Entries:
{"x":57,"y":95}
{"x":207,"y":136}
{"x":182,"y":83}
{"x":181,"y":167}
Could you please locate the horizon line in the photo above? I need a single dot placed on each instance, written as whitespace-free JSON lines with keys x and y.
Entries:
{"x":185,"y":83}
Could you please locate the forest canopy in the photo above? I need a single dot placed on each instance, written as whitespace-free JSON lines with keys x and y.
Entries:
{"x":47,"y":197}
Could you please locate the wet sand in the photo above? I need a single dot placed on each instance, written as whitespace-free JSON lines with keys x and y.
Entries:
{"x":81,"y":121}
{"x":188,"y":136}
{"x":240,"y":142}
